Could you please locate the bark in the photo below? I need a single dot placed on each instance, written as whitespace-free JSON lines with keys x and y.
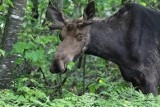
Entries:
{"x":158,"y":4}
{"x":12,"y":28}
{"x":1,"y":1}
{"x":1,"y":14}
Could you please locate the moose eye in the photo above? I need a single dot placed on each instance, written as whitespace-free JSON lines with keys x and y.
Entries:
{"x":79,"y":37}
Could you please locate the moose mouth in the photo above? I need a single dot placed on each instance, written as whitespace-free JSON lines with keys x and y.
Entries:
{"x":60,"y":66}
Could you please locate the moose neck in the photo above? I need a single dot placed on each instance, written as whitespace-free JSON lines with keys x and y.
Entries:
{"x":107,"y":39}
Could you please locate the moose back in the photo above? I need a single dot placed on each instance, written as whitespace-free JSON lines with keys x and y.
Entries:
{"x":130,"y":38}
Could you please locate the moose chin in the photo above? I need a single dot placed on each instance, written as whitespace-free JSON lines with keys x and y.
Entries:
{"x":130,"y":38}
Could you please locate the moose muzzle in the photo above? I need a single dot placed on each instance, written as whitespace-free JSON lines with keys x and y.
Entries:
{"x":58,"y":66}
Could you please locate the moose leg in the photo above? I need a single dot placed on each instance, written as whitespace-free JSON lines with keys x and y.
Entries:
{"x":146,"y":83}
{"x":133,"y":76}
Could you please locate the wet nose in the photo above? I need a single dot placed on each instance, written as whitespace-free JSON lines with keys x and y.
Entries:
{"x":57,"y":66}
{"x":54,"y":68}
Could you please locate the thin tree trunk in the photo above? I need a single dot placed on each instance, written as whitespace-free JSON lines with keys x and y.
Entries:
{"x":158,"y":4}
{"x":12,"y":28}
{"x":1,"y":15}
{"x":1,"y":1}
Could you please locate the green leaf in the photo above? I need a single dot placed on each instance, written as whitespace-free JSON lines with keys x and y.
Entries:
{"x":143,"y":3}
{"x":70,"y":65}
{"x":19,"y":47}
{"x":92,"y":87}
{"x":35,"y":56}
{"x":19,"y":60}
{"x":24,"y":89}
{"x":44,"y":40}
{"x":20,"y":99}
{"x":10,"y":3}
{"x":2,"y":52}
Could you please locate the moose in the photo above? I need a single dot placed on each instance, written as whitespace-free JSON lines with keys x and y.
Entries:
{"x":130,"y":38}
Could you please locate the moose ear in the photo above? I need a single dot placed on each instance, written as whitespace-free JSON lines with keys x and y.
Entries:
{"x":55,"y":16}
{"x":89,"y":11}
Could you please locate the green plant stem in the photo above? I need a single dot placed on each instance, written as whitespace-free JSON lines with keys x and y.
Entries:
{"x":84,"y":73}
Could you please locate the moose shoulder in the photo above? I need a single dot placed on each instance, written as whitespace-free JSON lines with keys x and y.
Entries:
{"x":130,"y":38}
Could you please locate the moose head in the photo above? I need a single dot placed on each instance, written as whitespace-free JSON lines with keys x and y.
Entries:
{"x":74,"y":35}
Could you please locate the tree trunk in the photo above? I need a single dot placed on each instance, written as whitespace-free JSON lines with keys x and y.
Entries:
{"x":12,"y":28}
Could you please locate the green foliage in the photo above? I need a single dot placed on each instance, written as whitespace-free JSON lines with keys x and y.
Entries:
{"x":2,"y":52}
{"x":3,"y":14}
{"x":34,"y":41}
{"x":119,"y":96}
{"x":70,"y":65}
{"x":100,"y":86}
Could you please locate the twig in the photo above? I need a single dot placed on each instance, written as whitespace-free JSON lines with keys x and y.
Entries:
{"x":80,"y":62}
{"x":60,"y":84}
{"x":44,"y":77}
{"x":84,"y":73}
{"x":151,"y":6}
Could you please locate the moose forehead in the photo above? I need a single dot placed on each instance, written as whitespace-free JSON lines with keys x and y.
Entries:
{"x":74,"y":24}
{"x":73,"y":27}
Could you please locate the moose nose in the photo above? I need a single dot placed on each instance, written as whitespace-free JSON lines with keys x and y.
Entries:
{"x":57,"y":67}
